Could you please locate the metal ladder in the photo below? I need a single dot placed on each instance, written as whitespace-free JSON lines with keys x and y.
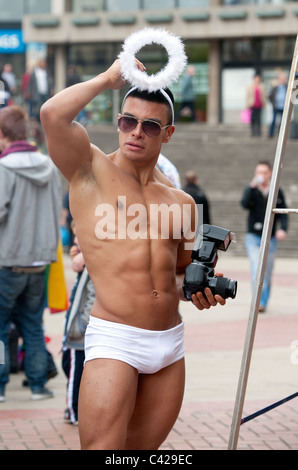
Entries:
{"x":267,"y":230}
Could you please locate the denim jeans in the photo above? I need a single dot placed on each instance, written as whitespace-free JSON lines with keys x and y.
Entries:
{"x":252,"y":245}
{"x":276,"y":112}
{"x":22,"y":298}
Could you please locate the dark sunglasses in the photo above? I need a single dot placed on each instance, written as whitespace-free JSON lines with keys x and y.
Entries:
{"x":129,"y":123}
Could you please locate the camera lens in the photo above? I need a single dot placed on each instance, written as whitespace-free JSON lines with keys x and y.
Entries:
{"x":232,"y":289}
{"x":226,"y":288}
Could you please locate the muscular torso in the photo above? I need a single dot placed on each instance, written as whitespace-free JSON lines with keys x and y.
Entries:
{"x":131,"y":260}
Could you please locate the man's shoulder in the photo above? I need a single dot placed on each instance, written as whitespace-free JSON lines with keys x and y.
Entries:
{"x":91,"y":170}
{"x":184,"y":197}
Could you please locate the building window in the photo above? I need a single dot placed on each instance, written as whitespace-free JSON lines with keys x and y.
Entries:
{"x":255,"y":2}
{"x":11,"y":11}
{"x":85,"y":6}
{"x":120,"y":5}
{"x":241,"y":50}
{"x":277,"y":49}
{"x":158,"y":5}
{"x":241,"y":59}
{"x":37,"y":6}
{"x":193,"y":3}
{"x":15,"y":9}
{"x":258,"y":51}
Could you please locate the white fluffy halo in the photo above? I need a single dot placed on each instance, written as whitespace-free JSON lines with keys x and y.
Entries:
{"x":164,"y":78}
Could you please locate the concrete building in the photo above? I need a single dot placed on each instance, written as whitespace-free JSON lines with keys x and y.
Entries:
{"x":227,"y":41}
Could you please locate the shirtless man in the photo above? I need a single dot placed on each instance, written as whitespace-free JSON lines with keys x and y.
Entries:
{"x":133,"y":381}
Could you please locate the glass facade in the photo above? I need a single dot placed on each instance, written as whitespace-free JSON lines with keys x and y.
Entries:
{"x":126,"y":5}
{"x":255,"y":2}
{"x":92,"y":59}
{"x":193,"y":3}
{"x":157,"y":4}
{"x":11,"y":14}
{"x":87,"y":6}
{"x":118,"y":5}
{"x":133,"y":5}
{"x":13,"y":10}
{"x":241,"y":59}
{"x":257,"y":51}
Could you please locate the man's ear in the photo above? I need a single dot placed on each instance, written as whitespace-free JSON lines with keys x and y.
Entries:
{"x":169,"y":133}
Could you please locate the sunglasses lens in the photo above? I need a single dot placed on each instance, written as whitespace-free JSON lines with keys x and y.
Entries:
{"x":127,"y":124}
{"x":152,"y":129}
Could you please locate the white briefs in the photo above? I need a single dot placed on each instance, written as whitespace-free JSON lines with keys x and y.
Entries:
{"x":146,"y":350}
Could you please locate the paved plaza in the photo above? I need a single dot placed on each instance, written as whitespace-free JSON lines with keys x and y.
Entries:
{"x":214,"y":345}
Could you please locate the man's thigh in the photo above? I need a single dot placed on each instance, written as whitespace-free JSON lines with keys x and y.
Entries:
{"x":157,"y":407}
{"x":106,"y":402}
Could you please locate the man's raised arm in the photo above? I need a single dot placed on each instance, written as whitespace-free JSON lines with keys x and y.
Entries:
{"x":68,"y":142}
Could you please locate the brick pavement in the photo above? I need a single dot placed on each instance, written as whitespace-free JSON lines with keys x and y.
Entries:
{"x":214,"y":342}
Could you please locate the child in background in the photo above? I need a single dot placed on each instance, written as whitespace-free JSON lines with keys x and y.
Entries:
{"x":77,"y":318}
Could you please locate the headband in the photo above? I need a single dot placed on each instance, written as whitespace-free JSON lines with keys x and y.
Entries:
{"x":163,"y":92}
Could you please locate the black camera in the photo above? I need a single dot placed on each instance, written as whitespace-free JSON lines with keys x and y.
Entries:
{"x":200,"y":273}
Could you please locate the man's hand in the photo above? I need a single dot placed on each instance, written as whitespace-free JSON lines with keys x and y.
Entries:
{"x":281,"y":235}
{"x":115,"y":76}
{"x":207,"y":300}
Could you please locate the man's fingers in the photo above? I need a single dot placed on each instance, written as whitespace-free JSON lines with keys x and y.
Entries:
{"x":207,"y":300}
{"x":220,"y":300}
{"x":200,"y":301}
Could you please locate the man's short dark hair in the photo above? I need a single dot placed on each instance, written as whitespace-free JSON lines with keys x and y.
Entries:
{"x":265,"y":162}
{"x":155,"y":97}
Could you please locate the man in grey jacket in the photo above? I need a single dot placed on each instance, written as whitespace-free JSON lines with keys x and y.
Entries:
{"x":30,"y":203}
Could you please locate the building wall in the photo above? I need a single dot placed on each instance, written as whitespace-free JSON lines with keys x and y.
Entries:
{"x":214,"y":24}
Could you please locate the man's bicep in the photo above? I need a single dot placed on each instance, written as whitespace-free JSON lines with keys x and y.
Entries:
{"x":69,"y":148}
{"x":190,"y":223}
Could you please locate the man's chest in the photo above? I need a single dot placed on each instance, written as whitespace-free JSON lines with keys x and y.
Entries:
{"x":137,"y":217}
{"x":121,"y":211}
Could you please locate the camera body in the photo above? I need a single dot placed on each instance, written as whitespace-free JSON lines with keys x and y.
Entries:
{"x":200,"y":273}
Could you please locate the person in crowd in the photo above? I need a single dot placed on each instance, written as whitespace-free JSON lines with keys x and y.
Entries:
{"x":256,"y":100}
{"x":195,"y":191}
{"x":30,"y":205}
{"x":5,"y":93}
{"x":169,"y":170}
{"x":188,"y":93}
{"x":133,"y":380}
{"x":9,"y":76}
{"x":72,"y":77}
{"x":26,"y":93}
{"x":40,"y":87}
{"x":278,"y":97}
{"x":254,"y":200}
{"x":77,"y":319}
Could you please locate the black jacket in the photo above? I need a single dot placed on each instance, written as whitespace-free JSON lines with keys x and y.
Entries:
{"x":256,"y":203}
{"x":200,"y":198}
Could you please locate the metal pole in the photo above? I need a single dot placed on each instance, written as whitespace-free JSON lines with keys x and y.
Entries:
{"x":285,"y":211}
{"x":267,"y":230}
